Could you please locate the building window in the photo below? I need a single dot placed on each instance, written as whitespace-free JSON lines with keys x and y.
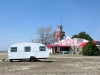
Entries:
{"x":27,"y":49}
{"x":13,"y":49}
{"x":42,"y":48}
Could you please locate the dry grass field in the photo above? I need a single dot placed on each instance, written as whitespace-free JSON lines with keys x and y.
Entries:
{"x":55,"y":65}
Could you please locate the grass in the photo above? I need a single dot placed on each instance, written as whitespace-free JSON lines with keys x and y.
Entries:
{"x":52,"y":66}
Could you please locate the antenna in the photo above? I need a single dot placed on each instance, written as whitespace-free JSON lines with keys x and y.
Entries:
{"x":61,"y":20}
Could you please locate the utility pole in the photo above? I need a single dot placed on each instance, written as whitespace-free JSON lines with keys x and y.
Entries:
{"x":42,"y":41}
{"x":53,"y":43}
{"x":31,"y":39}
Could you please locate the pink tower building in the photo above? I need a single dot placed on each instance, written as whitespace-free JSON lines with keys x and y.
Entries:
{"x":59,"y":34}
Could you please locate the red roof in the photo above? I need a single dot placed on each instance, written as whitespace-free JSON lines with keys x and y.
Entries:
{"x":49,"y":46}
{"x":95,"y":41}
{"x":57,"y":45}
{"x":60,"y":44}
{"x":84,"y":43}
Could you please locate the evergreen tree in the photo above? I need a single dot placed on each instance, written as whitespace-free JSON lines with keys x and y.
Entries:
{"x":83,"y":35}
{"x":90,"y":49}
{"x":74,"y":36}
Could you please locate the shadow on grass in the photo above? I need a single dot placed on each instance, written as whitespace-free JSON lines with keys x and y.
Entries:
{"x":47,"y":61}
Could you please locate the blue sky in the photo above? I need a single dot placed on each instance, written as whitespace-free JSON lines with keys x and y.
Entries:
{"x":19,"y":19}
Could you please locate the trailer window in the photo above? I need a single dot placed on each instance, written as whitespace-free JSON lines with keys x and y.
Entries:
{"x":42,"y":48}
{"x":13,"y":49}
{"x":27,"y":49}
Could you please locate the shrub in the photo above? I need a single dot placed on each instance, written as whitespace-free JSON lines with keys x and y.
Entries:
{"x":90,"y":49}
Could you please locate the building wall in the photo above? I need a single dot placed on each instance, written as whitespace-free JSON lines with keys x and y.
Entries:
{"x":76,"y":50}
{"x":54,"y":50}
{"x":99,"y":48}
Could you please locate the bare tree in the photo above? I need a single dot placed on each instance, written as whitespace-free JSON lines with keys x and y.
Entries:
{"x":45,"y":35}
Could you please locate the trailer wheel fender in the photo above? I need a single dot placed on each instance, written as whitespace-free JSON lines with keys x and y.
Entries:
{"x":32,"y":58}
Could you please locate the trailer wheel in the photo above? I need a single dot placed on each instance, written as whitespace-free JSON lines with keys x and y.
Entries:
{"x":10,"y":60}
{"x":21,"y":60}
{"x":32,"y":59}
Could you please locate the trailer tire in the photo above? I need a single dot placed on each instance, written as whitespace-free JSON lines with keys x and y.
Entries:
{"x":10,"y":60}
{"x":21,"y":60}
{"x":32,"y":59}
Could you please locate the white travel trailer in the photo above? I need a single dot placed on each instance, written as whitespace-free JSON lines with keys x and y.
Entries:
{"x":31,"y":51}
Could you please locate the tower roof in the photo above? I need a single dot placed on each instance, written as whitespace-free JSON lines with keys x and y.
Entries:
{"x":60,"y":26}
